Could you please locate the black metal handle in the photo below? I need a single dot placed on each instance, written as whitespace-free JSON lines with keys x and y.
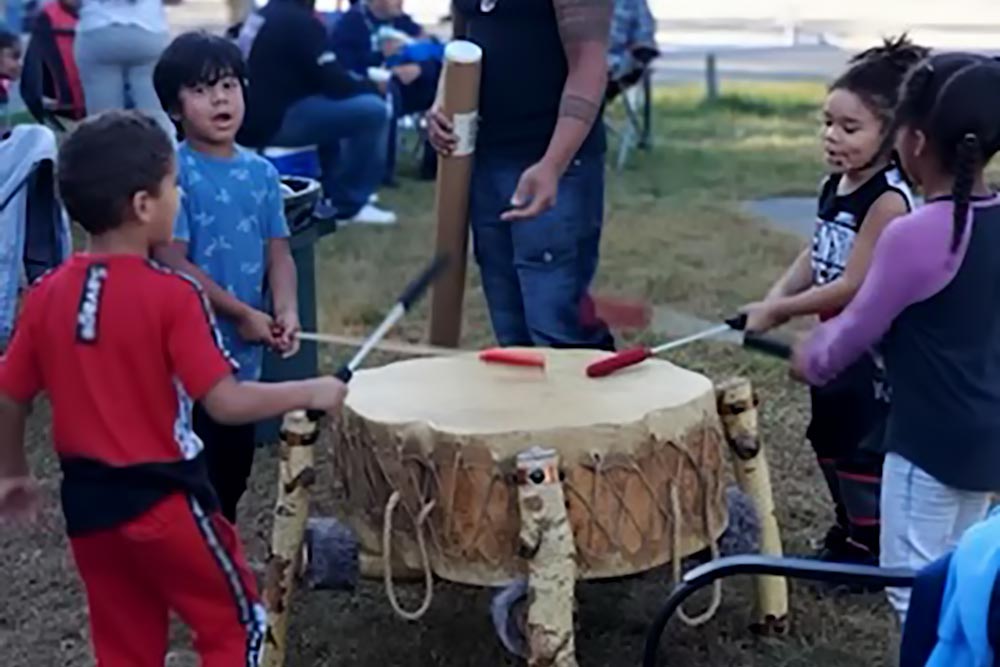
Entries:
{"x":768,"y":345}
{"x":775,"y":347}
{"x":737,"y":322}
{"x":795,"y":568}
{"x":416,"y":289}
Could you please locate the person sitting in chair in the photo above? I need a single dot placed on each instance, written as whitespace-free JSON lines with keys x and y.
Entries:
{"x":50,"y":85}
{"x":632,"y":45}
{"x":379,"y":35}
{"x":299,"y":94}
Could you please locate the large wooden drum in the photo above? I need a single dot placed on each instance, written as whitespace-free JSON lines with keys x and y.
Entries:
{"x":640,"y":453}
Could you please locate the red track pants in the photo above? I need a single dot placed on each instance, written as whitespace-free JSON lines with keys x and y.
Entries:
{"x":174,"y":558}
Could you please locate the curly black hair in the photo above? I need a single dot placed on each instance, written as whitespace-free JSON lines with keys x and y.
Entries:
{"x":876,"y":77}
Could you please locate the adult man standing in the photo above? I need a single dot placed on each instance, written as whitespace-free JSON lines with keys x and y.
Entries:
{"x":540,"y":134}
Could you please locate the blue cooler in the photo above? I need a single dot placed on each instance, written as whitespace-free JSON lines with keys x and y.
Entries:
{"x":296,"y":161}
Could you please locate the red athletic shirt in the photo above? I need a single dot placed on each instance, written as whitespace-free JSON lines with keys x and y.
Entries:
{"x":122,"y":347}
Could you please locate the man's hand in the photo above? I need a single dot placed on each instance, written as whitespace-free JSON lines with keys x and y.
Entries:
{"x":256,"y":327}
{"x":328,"y":394}
{"x":536,"y":192}
{"x":441,"y":131}
{"x":406,"y":74}
{"x":20,"y":499}
{"x":286,"y":333}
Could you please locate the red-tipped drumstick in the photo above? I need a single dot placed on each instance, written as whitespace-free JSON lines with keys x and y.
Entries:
{"x":498,"y":355}
{"x":633,"y":356}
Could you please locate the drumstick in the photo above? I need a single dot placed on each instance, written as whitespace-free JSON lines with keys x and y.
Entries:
{"x":410,"y":295}
{"x":636,"y":355}
{"x":399,"y":347}
{"x":496,"y":355}
{"x":499,"y":355}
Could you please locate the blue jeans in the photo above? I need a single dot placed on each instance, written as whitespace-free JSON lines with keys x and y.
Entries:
{"x":536,"y":273}
{"x":117,"y":58}
{"x":351,"y":137}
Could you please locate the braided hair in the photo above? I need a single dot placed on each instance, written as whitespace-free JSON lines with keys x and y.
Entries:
{"x":954,"y":99}
{"x":876,"y":76}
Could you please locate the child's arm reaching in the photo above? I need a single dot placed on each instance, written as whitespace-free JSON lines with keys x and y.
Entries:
{"x":253,"y":325}
{"x":20,"y":382}
{"x":796,"y":279}
{"x":911,"y":262}
{"x":836,"y":294}
{"x":282,"y":277}
{"x":19,"y":496}
{"x":284,"y":292}
{"x":232,"y":402}
{"x":207,"y":376}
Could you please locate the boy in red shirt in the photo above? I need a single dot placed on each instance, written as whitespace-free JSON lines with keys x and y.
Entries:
{"x":123,"y":347}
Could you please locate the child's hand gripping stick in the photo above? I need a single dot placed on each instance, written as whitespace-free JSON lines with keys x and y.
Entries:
{"x":774,"y":347}
{"x":410,"y":296}
{"x":498,"y":355}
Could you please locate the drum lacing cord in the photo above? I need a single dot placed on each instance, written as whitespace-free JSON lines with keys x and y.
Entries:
{"x":390,"y":588}
{"x":675,"y":562}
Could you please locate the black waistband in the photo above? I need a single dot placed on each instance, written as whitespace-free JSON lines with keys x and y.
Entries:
{"x":97,"y":496}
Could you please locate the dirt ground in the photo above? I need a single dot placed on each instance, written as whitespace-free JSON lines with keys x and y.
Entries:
{"x":674,"y":235}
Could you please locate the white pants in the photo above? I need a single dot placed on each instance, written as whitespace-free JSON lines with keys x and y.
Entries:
{"x":922,"y":520}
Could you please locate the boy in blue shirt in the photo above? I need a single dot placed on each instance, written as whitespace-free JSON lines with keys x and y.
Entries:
{"x":230,"y":232}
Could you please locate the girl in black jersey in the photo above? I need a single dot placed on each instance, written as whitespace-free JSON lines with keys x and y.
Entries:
{"x":863,"y":193}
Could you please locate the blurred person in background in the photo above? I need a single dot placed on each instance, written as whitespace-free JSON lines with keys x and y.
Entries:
{"x":117,"y":45}
{"x":299,"y":94}
{"x":379,"y":34}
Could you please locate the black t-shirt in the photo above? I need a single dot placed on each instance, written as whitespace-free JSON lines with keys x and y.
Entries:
{"x":524,"y":72}
{"x":839,"y":219}
{"x":848,"y":409}
{"x":288,"y":59}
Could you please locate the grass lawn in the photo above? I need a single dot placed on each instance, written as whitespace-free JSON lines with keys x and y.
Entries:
{"x":674,"y":235}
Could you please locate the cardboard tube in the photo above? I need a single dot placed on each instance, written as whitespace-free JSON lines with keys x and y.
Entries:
{"x":462,"y":67}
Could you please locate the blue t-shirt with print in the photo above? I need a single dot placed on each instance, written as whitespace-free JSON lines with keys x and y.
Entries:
{"x":230,"y":209}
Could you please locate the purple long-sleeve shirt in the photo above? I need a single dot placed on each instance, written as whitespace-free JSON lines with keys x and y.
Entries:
{"x":911,"y":262}
{"x":936,"y":315}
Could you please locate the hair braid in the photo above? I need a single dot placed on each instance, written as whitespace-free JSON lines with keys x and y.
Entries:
{"x":967,"y":157}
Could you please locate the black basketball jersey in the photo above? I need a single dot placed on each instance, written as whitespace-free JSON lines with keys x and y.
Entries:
{"x":839,"y":219}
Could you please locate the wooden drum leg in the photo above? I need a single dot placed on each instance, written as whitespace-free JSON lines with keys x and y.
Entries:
{"x":738,"y":409}
{"x":547,"y":543}
{"x":291,"y":511}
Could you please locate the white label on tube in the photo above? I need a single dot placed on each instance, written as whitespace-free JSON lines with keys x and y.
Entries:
{"x":465,"y":133}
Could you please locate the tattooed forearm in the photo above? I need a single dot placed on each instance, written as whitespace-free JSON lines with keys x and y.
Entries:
{"x":574,"y":106}
{"x":583,"y":20}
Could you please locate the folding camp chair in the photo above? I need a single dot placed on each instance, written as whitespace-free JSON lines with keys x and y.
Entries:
{"x":635,"y":131}
{"x":928,"y":591}
{"x":34,"y":229}
{"x":631,"y":52}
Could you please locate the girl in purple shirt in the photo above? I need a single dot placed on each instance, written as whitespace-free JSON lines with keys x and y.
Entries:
{"x":932,"y":297}
{"x":864,"y":191}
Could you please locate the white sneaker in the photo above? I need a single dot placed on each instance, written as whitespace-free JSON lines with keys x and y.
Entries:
{"x":373,"y":199}
{"x":372,"y":215}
